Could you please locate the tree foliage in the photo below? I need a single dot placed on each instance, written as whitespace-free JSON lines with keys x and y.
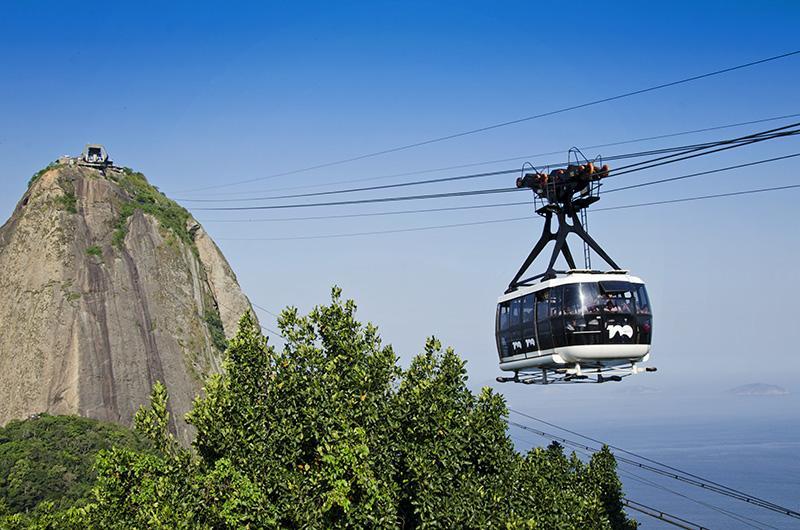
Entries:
{"x":331,"y":433}
{"x":46,"y":461}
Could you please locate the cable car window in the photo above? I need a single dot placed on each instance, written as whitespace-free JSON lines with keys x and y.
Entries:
{"x":542,"y":303}
{"x":556,"y":296}
{"x":644,"y":315}
{"x":642,"y":301}
{"x":516,"y":312}
{"x":615,"y":287}
{"x":543,"y":319}
{"x":591,"y":299}
{"x":504,"y":333}
{"x":556,"y":316}
{"x":608,"y":297}
{"x":502,"y":345}
{"x":572,"y":299}
{"x":574,"y":322}
{"x":527,"y":308}
{"x":502,"y":315}
{"x":645,"y":325}
{"x":619,"y":303}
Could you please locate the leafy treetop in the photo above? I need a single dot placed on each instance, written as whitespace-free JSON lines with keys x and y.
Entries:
{"x":331,"y":433}
{"x":48,"y":459}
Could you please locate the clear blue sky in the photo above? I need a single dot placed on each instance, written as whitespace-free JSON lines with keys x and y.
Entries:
{"x":195,"y":95}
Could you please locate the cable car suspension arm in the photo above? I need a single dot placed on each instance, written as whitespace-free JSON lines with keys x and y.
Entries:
{"x":561,"y":245}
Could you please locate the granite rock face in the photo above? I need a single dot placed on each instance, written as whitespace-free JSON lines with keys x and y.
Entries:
{"x":108,"y":286}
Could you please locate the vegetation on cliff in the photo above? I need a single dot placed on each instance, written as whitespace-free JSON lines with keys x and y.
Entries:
{"x":141,"y":196}
{"x":147,"y":198}
{"x":36,"y":176}
{"x":215,"y":328}
{"x":332,"y":433}
{"x":172,"y":217}
{"x":48,"y":459}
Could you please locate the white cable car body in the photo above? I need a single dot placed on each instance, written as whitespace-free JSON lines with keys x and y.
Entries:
{"x":589,"y":319}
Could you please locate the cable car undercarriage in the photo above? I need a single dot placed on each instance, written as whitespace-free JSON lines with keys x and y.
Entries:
{"x":575,"y":374}
{"x":578,"y":325}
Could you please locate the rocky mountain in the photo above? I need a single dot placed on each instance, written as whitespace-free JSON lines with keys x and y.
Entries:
{"x":108,"y":286}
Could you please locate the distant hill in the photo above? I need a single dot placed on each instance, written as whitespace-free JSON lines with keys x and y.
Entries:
{"x":758,"y":389}
{"x":108,"y":286}
{"x":50,"y":458}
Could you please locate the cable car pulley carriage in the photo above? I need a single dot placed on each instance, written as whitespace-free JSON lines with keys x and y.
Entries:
{"x":577,"y":325}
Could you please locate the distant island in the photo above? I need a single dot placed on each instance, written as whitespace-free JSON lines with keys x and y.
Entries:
{"x":758,"y":389}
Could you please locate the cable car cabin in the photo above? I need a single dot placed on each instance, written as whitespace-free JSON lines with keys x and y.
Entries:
{"x":586,"y":319}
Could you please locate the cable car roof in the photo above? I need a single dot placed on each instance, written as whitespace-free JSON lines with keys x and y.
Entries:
{"x":573,"y":276}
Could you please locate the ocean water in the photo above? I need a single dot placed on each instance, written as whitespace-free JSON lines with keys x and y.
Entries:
{"x":753,"y":447}
{"x":760,"y":457}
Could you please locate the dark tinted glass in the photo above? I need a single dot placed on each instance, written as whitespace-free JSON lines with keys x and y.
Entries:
{"x":556,"y":299}
{"x":528,"y":303}
{"x":543,"y":320}
{"x":612,"y":312}
{"x":615,"y":286}
{"x":645,"y":323}
{"x":644,"y":314}
{"x":513,"y":336}
{"x":642,"y":301}
{"x":591,"y":298}
{"x":572,"y":299}
{"x":516,"y":312}
{"x":556,"y":316}
{"x":502,"y":345}
{"x":502,"y":316}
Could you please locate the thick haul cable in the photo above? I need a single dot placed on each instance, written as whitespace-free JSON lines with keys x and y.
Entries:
{"x":507,"y":123}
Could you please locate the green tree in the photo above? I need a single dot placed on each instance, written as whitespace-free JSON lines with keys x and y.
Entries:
{"x":49,"y":459}
{"x":331,"y":433}
{"x":454,"y":455}
{"x":309,"y":422}
{"x":602,"y":473}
